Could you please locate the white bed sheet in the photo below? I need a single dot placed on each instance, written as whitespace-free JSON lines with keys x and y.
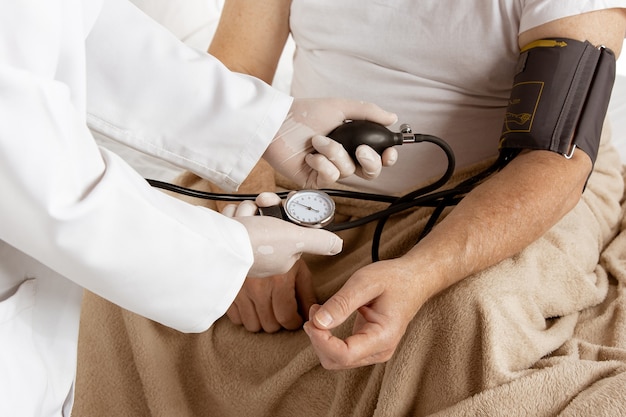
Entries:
{"x":195,"y":24}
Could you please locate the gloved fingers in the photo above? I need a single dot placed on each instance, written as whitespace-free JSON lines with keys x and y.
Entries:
{"x":323,"y":115}
{"x":390,"y":156}
{"x":229,"y":210}
{"x":362,"y":110}
{"x":246,"y":208}
{"x":318,"y":241}
{"x":277,"y":244}
{"x":325,"y":172}
{"x":267,"y":199}
{"x":288,"y":153}
{"x":370,"y":162}
{"x":335,"y":153}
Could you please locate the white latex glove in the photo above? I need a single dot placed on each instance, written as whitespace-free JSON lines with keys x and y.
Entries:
{"x":301,"y":152}
{"x":278,"y":244}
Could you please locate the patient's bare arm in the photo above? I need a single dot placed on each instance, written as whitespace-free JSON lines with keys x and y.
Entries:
{"x":251,"y":36}
{"x":496,"y":220}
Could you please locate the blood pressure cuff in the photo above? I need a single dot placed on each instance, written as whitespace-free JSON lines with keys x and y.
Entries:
{"x":559,"y":99}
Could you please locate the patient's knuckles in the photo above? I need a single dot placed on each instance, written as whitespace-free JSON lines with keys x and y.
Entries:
{"x":249,"y":319}
{"x":335,"y":364}
{"x":329,"y":365}
{"x":293,"y":322}
{"x":233,"y":316}
{"x":257,"y":289}
{"x":271,"y":327}
{"x":383,"y":356}
{"x":288,"y":318}
{"x":252,"y":325}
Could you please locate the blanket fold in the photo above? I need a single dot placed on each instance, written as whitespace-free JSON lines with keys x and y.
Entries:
{"x":539,"y":334}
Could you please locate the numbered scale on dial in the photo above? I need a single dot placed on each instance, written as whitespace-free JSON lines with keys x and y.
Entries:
{"x":311,"y":208}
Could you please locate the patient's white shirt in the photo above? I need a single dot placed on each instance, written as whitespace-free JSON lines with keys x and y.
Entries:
{"x":444,"y":66}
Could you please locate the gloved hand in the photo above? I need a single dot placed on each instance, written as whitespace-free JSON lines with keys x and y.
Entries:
{"x":301,"y":152}
{"x":278,"y":244}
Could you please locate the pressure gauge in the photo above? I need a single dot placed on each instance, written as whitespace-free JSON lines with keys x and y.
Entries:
{"x":311,"y":208}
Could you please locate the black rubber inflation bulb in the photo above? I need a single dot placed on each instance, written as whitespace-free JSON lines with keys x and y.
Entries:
{"x":353,"y":133}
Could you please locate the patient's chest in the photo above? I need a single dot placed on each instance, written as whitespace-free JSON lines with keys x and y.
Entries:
{"x":445,"y":67}
{"x":469,"y":47}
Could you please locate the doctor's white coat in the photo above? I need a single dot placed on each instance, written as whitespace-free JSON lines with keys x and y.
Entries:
{"x":73,"y":215}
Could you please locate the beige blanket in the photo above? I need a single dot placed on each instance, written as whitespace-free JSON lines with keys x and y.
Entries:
{"x":541,"y":334}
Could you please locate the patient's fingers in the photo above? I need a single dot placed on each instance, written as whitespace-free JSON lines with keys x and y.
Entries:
{"x":294,"y":289}
{"x":305,"y":294}
{"x":261,"y":293}
{"x":368,"y":345}
{"x":269,"y":304}
{"x":372,"y":292}
{"x":247,"y":313}
{"x":267,"y":319}
{"x":285,"y":307}
{"x":233,"y":314}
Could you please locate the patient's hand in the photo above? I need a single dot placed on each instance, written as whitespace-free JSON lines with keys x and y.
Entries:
{"x":386,"y":295}
{"x":274,"y":303}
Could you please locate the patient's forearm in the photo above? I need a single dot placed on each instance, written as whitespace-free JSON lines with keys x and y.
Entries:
{"x":519,"y":204}
{"x":502,"y":216}
{"x":251,"y":36}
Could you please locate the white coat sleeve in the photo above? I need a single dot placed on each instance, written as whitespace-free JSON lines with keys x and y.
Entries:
{"x":155,"y":94}
{"x":82,"y":211}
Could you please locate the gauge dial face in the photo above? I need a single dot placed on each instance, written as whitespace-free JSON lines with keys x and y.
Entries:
{"x":310,"y":208}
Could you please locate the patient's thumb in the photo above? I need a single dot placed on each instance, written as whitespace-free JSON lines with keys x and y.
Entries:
{"x":334,"y":312}
{"x":321,"y":319}
{"x":320,"y":242}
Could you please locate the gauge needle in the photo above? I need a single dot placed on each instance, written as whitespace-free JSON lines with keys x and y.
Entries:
{"x":307,"y":207}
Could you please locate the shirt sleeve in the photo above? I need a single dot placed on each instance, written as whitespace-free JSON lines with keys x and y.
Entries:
{"x":155,"y":94}
{"x":538,"y":12}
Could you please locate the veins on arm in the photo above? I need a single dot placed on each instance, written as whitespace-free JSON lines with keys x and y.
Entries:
{"x":516,"y":206}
